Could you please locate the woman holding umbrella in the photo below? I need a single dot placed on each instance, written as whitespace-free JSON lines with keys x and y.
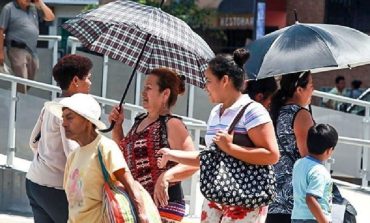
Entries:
{"x":224,"y":82}
{"x":151,"y":131}
{"x":292,"y":121}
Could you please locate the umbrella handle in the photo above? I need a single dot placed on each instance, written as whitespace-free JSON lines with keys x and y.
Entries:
{"x":108,"y":129}
{"x":119,"y":110}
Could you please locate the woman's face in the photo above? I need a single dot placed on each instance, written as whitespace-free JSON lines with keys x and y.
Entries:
{"x":84,"y":84}
{"x":75,"y":126}
{"x":152,"y":98}
{"x":213,"y":87}
{"x":306,"y":93}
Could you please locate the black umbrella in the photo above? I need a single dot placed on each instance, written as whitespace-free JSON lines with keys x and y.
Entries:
{"x":303,"y":47}
{"x":143,"y":37}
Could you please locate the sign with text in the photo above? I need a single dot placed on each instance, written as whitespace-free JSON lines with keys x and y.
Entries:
{"x":260,"y":23}
{"x":236,"y":21}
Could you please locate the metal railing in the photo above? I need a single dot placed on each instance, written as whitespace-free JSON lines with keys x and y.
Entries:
{"x":197,"y":126}
{"x":365,"y":143}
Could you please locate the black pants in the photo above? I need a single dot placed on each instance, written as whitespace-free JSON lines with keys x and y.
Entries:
{"x":278,"y":218}
{"x":49,"y":205}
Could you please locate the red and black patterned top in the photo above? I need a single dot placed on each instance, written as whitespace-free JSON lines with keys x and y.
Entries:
{"x":140,"y":151}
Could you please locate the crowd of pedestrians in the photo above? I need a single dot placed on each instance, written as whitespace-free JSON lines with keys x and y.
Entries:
{"x":255,"y":125}
{"x":272,"y":125}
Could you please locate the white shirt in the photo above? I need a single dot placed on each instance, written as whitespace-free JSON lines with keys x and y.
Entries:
{"x":254,"y":115}
{"x":50,"y":152}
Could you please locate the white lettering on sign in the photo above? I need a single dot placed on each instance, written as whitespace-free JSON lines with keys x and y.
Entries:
{"x":236,"y":21}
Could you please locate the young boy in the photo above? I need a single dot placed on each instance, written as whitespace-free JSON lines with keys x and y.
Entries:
{"x":312,"y":184}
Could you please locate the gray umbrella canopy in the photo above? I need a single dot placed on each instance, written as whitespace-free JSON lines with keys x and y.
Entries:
{"x":123,"y":29}
{"x":303,"y":47}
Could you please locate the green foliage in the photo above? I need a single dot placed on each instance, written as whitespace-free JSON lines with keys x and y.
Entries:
{"x":187,"y":10}
{"x":90,"y":7}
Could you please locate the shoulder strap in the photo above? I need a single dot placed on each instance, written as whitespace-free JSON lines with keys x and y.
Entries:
{"x":140,"y":116}
{"x":238,"y":117}
{"x":104,"y":170}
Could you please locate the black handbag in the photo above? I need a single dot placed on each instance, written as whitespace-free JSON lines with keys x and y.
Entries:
{"x":229,"y":181}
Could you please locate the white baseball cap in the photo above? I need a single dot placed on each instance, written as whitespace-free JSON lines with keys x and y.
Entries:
{"x":83,"y":104}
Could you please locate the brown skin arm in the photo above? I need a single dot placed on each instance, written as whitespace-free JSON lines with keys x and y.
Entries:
{"x":178,"y":156}
{"x":48,"y":15}
{"x":302,"y":122}
{"x":1,"y":46}
{"x":133,"y":190}
{"x":179,"y":139}
{"x":315,"y":209}
{"x":265,"y":152}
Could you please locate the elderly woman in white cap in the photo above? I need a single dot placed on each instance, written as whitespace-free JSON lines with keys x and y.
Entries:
{"x":83,"y":178}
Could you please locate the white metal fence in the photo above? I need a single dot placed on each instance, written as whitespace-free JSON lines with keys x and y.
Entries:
{"x":195,"y":126}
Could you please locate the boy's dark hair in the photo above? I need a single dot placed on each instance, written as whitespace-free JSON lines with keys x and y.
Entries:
{"x":338,"y":79}
{"x":320,"y":138}
{"x":356,"y":84}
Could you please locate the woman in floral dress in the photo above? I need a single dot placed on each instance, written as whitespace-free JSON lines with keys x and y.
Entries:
{"x":153,"y":130}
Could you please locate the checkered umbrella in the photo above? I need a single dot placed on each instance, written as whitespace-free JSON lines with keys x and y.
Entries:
{"x":123,"y":29}
{"x":143,"y":37}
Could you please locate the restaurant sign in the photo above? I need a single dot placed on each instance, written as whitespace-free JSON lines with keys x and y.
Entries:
{"x":236,"y":21}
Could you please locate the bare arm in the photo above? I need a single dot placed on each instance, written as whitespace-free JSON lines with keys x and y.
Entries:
{"x":48,"y":15}
{"x":302,"y":122}
{"x":265,"y":152}
{"x":178,"y":137}
{"x":185,"y":157}
{"x":133,"y":190}
{"x":315,"y":209}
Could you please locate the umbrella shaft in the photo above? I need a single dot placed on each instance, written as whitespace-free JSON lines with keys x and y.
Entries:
{"x":134,"y":71}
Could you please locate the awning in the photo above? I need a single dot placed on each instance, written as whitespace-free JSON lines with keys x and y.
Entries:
{"x":236,"y":7}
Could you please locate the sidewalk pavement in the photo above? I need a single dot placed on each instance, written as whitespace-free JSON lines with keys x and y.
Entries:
{"x":358,"y":197}
{"x":14,"y":218}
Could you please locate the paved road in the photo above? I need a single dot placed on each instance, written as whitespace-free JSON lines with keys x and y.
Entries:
{"x":360,"y":199}
{"x":12,"y":218}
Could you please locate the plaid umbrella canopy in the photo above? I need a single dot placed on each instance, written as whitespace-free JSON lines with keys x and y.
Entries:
{"x":123,"y":29}
{"x":143,"y":37}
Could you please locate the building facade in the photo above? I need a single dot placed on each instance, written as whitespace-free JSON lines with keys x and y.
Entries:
{"x":235,"y":20}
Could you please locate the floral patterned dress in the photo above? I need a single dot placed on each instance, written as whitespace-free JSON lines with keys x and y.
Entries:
{"x":140,"y":151}
{"x":289,"y":153}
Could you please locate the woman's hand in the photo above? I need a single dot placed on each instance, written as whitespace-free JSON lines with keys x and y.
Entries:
{"x":161,"y":191}
{"x":223,"y":140}
{"x":117,"y":115}
{"x":165,"y":157}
